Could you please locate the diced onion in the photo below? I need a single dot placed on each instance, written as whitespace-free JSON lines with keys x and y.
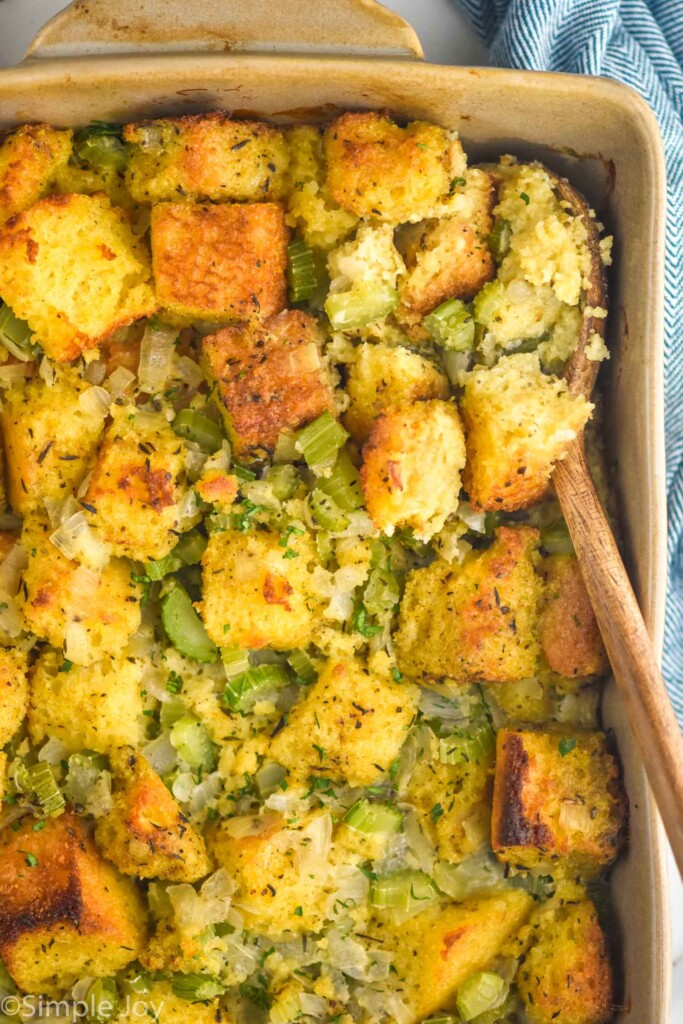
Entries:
{"x":575,"y":816}
{"x":194,"y":911}
{"x":120,"y":384}
{"x":95,"y":401}
{"x":95,"y":371}
{"x":46,"y":371}
{"x":189,"y":371}
{"x":312,"y":1006}
{"x":11,"y":621}
{"x":156,"y":358}
{"x":470,"y":876}
{"x":77,"y":645}
{"x":422,"y":849}
{"x":316,"y":842}
{"x":13,"y":564}
{"x":53,"y":752}
{"x":75,"y":539}
{"x":161,"y":754}
{"x":13,"y":373}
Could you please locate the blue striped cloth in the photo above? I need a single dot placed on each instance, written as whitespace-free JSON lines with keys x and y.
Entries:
{"x":639,"y":42}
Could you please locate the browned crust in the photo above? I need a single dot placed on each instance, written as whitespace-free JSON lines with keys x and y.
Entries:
{"x":568,"y":629}
{"x":223,"y":262}
{"x":509,"y":824}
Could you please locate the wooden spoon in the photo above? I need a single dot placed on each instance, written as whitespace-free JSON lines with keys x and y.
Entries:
{"x":626,"y":639}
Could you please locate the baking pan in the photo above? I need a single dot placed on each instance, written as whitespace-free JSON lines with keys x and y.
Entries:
{"x":294,"y":61}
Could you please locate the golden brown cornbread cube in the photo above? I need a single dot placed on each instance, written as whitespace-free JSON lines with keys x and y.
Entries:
{"x":86,"y":613}
{"x":568,"y":630}
{"x":13,"y":693}
{"x":73,"y":269}
{"x":435,"y":951}
{"x":144,"y":833}
{"x":205,"y":156}
{"x":518,"y":423}
{"x":350,"y":725}
{"x":279,"y":888}
{"x":253,"y":596}
{"x":462,"y":823}
{"x":98,"y":707}
{"x":165,"y":1007}
{"x":565,"y":976}
{"x":29,"y":159}
{"x":136,"y":486}
{"x":49,"y":439}
{"x":411,"y":467}
{"x":269,"y":378}
{"x":383,"y":376}
{"x":448,"y":258}
{"x":219,"y":263}
{"x":310,"y":207}
{"x":558,"y":801}
{"x":477,"y":620}
{"x":64,"y":912}
{"x":217,"y":488}
{"x":378,"y":170}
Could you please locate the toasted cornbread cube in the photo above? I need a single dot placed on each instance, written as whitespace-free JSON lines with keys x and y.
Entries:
{"x":136,"y":486}
{"x":144,"y":833}
{"x":216,"y":487}
{"x":565,"y":976}
{"x":461,"y":824}
{"x":404,"y":444}
{"x":447,"y":260}
{"x":165,"y":1007}
{"x":253,"y":595}
{"x":384,"y":376}
{"x":88,"y":614}
{"x":435,"y":951}
{"x":377,"y":170}
{"x":29,"y":159}
{"x":13,"y":693}
{"x":219,"y":263}
{"x":269,"y":378}
{"x":64,"y":912}
{"x":350,"y":725}
{"x":49,"y":440}
{"x":477,"y":620}
{"x":518,"y":423}
{"x":97,"y":708}
{"x":277,"y":888}
{"x":310,"y":207}
{"x":73,"y":269}
{"x":205,"y":156}
{"x":558,"y":802}
{"x":569,"y":633}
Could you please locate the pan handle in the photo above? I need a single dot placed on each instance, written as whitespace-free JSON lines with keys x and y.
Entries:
{"x":342,"y":27}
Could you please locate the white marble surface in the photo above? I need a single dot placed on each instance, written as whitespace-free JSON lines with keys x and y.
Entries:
{"x":447,"y":39}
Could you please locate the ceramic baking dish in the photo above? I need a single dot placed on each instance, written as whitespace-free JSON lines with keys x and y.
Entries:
{"x":290,"y":61}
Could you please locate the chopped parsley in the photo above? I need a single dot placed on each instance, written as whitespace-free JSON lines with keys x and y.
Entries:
{"x":566,"y":746}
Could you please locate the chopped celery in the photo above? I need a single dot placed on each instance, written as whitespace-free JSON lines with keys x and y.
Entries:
{"x":343,"y":484}
{"x":269,"y":778}
{"x":302,"y":667}
{"x":302,"y":277}
{"x":382,"y":592}
{"x":15,"y":334}
{"x":196,"y":988}
{"x":555,"y":539}
{"x":41,"y":781}
{"x":193,"y":743}
{"x":235,"y":661}
{"x":101,"y":145}
{"x":448,"y":1019}
{"x":284,"y":479}
{"x":243,"y":472}
{"x":367,"y":817}
{"x":171,"y":711}
{"x":402,"y":890}
{"x":324,"y":547}
{"x":102,"y":1001}
{"x":541,"y":887}
{"x":156,"y":571}
{"x":320,"y":441}
{"x":482,"y":991}
{"x":363,"y":304}
{"x":184,"y":628}
{"x":473,"y":875}
{"x":488,"y":301}
{"x":326,"y":513}
{"x":498,"y":1013}
{"x":242,"y":691}
{"x":190,"y":547}
{"x":469,"y":745}
{"x":139,"y":984}
{"x":499,"y":239}
{"x":191,"y":425}
{"x":451,"y":325}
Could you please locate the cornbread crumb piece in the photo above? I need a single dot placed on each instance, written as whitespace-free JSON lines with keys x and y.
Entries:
{"x":13,"y":693}
{"x":270,"y":378}
{"x":518,"y":423}
{"x":30,"y":157}
{"x":223,"y":263}
{"x":205,"y":156}
{"x":73,"y":269}
{"x":310,"y":207}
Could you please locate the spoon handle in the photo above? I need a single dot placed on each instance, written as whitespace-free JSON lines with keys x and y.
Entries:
{"x":626,"y":639}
